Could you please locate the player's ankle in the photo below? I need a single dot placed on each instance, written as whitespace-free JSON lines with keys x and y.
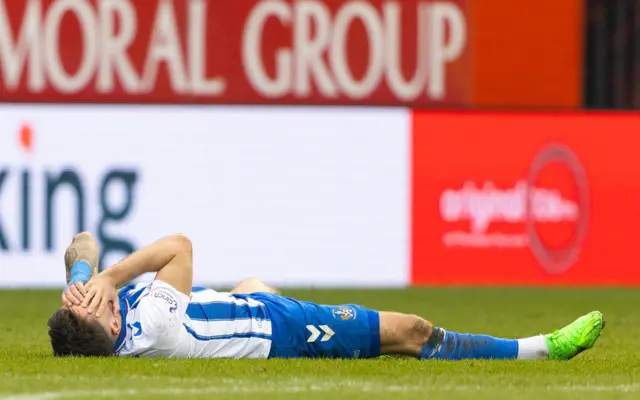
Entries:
{"x":432,"y":343}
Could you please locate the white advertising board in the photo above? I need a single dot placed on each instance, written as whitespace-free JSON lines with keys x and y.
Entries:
{"x":295,"y":196}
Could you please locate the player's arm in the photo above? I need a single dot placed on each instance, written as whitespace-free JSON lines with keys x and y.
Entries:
{"x":81,"y":263}
{"x":170,"y":257}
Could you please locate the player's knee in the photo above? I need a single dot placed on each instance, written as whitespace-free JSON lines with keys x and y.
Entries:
{"x":252,"y":285}
{"x":251,"y":282}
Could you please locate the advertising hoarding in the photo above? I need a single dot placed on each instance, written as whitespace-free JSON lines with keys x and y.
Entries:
{"x":380,"y":52}
{"x":198,"y":51}
{"x":295,"y":196}
{"x":328,"y":196}
{"x":525,"y":198}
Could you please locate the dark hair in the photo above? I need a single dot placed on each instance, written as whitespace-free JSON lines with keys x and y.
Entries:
{"x":73,"y":336}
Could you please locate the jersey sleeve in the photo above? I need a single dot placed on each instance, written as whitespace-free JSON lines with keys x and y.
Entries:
{"x":161,"y":314}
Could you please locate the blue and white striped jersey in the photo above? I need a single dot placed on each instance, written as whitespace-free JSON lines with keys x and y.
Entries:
{"x":159,"y":321}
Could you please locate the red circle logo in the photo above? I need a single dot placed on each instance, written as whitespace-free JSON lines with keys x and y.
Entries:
{"x":557,"y":208}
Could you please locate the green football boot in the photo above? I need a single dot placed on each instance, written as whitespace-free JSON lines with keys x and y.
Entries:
{"x":578,"y":336}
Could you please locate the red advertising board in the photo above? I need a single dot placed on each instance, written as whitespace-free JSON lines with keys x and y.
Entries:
{"x":526,"y":198}
{"x":206,"y":51}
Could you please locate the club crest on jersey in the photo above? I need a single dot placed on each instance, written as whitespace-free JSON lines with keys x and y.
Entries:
{"x":344,"y":313}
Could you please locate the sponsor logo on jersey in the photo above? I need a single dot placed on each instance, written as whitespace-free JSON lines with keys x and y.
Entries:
{"x":344,"y":313}
{"x":173,"y":304}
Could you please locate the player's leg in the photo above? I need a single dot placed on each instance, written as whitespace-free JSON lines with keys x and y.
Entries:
{"x":252,"y":285}
{"x":411,"y":335}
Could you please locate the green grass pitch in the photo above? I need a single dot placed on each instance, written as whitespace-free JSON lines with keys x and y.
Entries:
{"x":610,"y":371}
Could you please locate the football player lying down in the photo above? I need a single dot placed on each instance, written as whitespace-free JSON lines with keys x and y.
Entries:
{"x":171,"y":318}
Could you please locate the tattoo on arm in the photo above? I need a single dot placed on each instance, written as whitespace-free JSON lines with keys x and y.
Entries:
{"x":83,"y":247}
{"x":70,"y":257}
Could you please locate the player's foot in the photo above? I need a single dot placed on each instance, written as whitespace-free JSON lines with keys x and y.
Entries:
{"x":578,"y":336}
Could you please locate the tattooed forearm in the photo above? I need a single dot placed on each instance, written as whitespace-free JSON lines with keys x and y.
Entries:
{"x":70,"y":257}
{"x":83,"y":247}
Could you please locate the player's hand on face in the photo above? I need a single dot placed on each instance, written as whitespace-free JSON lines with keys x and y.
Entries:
{"x":100,"y":291}
{"x":74,"y":294}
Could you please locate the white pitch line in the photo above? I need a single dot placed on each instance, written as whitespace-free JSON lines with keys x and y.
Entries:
{"x":597,"y":388}
{"x":283,"y":387}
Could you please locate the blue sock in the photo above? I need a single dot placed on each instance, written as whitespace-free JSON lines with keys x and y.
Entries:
{"x":445,"y":345}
